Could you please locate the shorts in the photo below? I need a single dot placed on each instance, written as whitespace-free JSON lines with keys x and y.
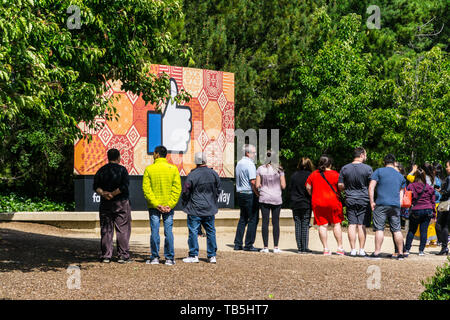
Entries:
{"x":381,"y":213}
{"x":327,"y":215}
{"x":359,"y":214}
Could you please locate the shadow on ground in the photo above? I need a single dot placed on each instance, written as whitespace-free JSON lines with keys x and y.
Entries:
{"x":28,"y":252}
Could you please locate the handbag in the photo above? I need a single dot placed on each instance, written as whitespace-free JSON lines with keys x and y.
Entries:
{"x":407,"y":199}
{"x":444,"y":206}
{"x":337,"y":194}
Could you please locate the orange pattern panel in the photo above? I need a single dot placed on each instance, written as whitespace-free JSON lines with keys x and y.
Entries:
{"x":212,"y":109}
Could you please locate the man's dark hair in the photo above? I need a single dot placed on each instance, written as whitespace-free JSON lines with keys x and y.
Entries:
{"x":389,"y":159}
{"x":113,"y":154}
{"x":358,"y":152}
{"x":161,"y":150}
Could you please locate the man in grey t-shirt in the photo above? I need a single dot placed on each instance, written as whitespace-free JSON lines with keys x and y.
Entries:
{"x":354,"y":178}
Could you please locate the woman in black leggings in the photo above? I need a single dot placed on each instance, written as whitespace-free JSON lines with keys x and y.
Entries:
{"x":443,"y":219}
{"x":301,"y":204}
{"x":270,"y":182}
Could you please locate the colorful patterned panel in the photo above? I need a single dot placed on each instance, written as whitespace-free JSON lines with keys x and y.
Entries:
{"x":212,"y":122}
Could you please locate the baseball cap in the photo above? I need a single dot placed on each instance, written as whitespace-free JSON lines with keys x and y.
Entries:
{"x":200,"y":158}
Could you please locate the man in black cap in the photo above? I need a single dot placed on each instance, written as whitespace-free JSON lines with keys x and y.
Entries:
{"x":111,"y":183}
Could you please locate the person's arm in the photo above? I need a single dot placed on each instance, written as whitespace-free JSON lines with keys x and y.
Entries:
{"x":402,"y":192}
{"x":372,"y":186}
{"x":253,"y":184}
{"x":283,"y":182}
{"x":252,"y":177}
{"x":96,"y":186}
{"x":410,"y":175}
{"x":124,"y":183}
{"x":148,"y":192}
{"x":308,"y":188}
{"x":176,"y":190}
{"x":341,"y":185}
{"x":258,"y":182}
{"x":187,"y":191}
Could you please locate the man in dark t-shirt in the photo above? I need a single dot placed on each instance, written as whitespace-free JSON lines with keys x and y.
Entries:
{"x":354,"y":178}
{"x":111,"y":183}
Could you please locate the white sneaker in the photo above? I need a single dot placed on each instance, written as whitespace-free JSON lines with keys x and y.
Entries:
{"x":170,"y":262}
{"x":265,"y":250}
{"x":152,"y":261}
{"x":191,"y":259}
{"x":421,"y":253}
{"x":212,"y":260}
{"x":277,"y":250}
{"x":362,"y":253}
{"x":353,"y":253}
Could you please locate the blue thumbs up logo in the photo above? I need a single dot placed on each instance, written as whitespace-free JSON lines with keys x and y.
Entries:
{"x":172,"y":128}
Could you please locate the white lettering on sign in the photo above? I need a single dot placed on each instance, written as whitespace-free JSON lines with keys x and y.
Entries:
{"x":224,"y":197}
{"x":95,"y":198}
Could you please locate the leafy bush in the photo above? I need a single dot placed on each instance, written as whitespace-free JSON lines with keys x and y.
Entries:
{"x":14,"y":203}
{"x":438,"y":286}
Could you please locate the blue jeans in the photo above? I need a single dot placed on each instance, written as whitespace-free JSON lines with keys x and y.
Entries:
{"x":155,"y":217}
{"x":194,"y":223}
{"x":249,"y":215}
{"x":417,"y":217}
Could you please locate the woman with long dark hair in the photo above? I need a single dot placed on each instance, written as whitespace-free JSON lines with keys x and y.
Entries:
{"x":422,"y":209}
{"x":301,"y":203}
{"x":322,"y":185}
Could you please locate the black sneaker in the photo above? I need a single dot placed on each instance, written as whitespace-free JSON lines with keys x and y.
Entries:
{"x":237,"y":248}
{"x":400,"y":257}
{"x":251,"y":249}
{"x":374,"y":256}
{"x":123,"y":260}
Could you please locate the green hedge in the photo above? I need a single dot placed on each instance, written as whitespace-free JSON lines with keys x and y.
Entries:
{"x":13,"y":202}
{"x":438,"y":286}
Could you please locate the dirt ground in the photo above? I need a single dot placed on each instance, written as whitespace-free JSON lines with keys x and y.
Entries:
{"x":34,"y":261}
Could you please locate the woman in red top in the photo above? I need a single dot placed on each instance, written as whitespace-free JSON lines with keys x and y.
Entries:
{"x":325,"y":203}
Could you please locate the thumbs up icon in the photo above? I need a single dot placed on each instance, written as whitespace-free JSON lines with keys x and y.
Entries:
{"x":173,"y":128}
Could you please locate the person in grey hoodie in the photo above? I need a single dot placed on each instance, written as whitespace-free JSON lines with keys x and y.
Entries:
{"x":199,"y":201}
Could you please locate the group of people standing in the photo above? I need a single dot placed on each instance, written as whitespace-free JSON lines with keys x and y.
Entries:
{"x":162,"y":189}
{"x":312,"y":191}
{"x":318,"y":191}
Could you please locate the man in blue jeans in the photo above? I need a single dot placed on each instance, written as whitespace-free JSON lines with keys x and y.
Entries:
{"x":199,"y":200}
{"x":247,"y":195}
{"x":161,"y":185}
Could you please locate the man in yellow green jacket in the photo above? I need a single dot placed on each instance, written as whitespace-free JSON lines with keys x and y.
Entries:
{"x":162,"y":188}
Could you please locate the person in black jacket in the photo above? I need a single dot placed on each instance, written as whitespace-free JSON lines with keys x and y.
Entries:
{"x":301,"y":204}
{"x":111,"y":183}
{"x":443,"y":219}
{"x":199,"y":201}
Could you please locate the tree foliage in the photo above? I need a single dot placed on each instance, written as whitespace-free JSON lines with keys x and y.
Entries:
{"x":315,"y":70}
{"x":52,"y":75}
